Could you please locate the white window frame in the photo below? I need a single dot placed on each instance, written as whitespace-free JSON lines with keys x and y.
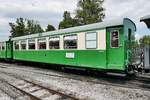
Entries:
{"x":70,"y":39}
{"x":29,"y":41}
{"x":41,"y":40}
{"x":0,"y":46}
{"x":3,"y":44}
{"x":111,"y":38}
{"x":16,"y":42}
{"x":23,"y":43}
{"x":96,"y":40}
{"x":56,"y":37}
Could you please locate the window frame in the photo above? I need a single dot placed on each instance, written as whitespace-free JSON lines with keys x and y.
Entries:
{"x":111,"y":38}
{"x":31,"y":42}
{"x":16,"y":42}
{"x":91,"y":40}
{"x":64,"y":42}
{"x":3,"y":45}
{"x":0,"y":46}
{"x":41,"y":40}
{"x":23,"y":43}
{"x":50,"y":40}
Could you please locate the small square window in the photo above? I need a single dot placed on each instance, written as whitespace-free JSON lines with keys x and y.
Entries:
{"x":70,"y":42}
{"x":42,"y":43}
{"x":114,"y":39}
{"x":91,"y":40}
{"x":23,"y":45}
{"x":16,"y":43}
{"x":31,"y":44}
{"x":54,"y":43}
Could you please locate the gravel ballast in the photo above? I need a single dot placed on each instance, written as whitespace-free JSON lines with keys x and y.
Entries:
{"x":80,"y":89}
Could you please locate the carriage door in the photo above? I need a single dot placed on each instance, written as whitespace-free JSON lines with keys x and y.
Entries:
{"x":8,"y":49}
{"x":115,"y":48}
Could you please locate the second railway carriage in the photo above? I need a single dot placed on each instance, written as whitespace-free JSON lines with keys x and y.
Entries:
{"x":101,"y":46}
{"x":6,"y":51}
{"x":2,"y":50}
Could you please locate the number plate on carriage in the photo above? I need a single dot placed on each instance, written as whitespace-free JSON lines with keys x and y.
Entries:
{"x":70,"y":55}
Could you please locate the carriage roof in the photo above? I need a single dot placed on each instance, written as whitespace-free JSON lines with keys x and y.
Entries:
{"x":146,"y":20}
{"x":100,"y":25}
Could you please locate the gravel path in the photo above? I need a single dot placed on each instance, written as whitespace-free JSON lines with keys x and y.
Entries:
{"x":81,"y":89}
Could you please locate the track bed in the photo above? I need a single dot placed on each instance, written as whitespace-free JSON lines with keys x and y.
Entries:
{"x":79,"y":86}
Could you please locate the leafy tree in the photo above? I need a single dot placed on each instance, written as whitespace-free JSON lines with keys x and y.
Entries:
{"x":145,"y":40}
{"x":13,"y":30}
{"x":33,"y":27}
{"x":50,"y":28}
{"x":24,"y":27}
{"x":135,"y":44}
{"x":68,"y":21}
{"x":89,"y":11}
{"x":18,"y":28}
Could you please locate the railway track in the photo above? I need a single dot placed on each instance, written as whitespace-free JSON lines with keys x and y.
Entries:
{"x":36,"y":91}
{"x":32,"y":97}
{"x":135,"y":83}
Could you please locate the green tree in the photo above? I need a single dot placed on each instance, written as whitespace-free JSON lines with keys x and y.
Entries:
{"x":50,"y":28}
{"x":13,"y":30}
{"x":89,"y":11}
{"x":24,"y":27}
{"x":67,"y":21}
{"x":18,"y":28}
{"x":145,"y":40}
{"x":33,"y":27}
{"x":135,"y":44}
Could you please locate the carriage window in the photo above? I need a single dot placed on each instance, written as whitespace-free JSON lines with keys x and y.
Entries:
{"x":70,"y":42}
{"x":23,"y":45}
{"x":115,"y":39}
{"x":42,"y":43}
{"x":31,"y":44}
{"x":0,"y":46}
{"x":91,"y":40}
{"x":3,"y":46}
{"x":54,"y":43}
{"x":16,"y":45}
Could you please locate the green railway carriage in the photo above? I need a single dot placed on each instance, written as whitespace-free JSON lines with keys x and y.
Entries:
{"x":101,"y":46}
{"x":2,"y":50}
{"x":6,"y":51}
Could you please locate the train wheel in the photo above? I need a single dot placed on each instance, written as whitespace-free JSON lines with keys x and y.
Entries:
{"x":130,"y":71}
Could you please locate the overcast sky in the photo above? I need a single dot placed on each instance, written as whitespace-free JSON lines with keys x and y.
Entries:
{"x":51,"y":12}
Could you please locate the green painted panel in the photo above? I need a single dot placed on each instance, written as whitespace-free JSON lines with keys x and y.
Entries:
{"x":9,"y":49}
{"x":115,"y":56}
{"x":95,"y":59}
{"x":2,"y":54}
{"x":88,"y":58}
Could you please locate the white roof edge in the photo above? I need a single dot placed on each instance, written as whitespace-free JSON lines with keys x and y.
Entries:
{"x":100,"y":25}
{"x":145,"y":17}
